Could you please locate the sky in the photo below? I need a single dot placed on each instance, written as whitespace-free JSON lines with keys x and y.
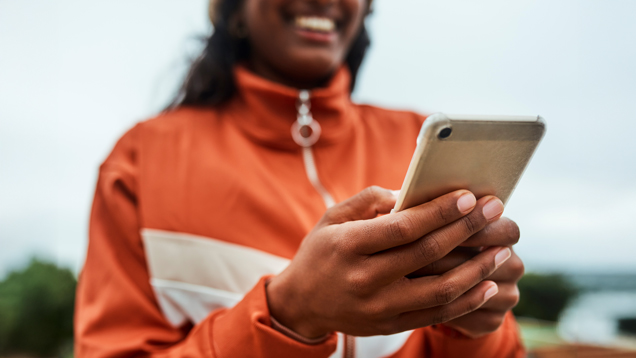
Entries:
{"x":75,"y":75}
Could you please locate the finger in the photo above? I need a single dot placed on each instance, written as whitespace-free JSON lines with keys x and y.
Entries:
{"x":511,"y":271}
{"x":409,"y":225}
{"x":502,"y":232}
{"x":367,"y":204}
{"x":478,"y":322}
{"x":400,"y":261}
{"x":430,"y":291}
{"x":505,"y":300}
{"x":454,"y":258}
{"x":468,"y":302}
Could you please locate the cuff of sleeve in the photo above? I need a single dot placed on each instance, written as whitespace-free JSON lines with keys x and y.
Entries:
{"x":291,"y":334}
{"x":288,"y":332}
{"x":247,"y":330}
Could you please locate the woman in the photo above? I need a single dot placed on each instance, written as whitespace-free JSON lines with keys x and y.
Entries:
{"x":215,"y":229}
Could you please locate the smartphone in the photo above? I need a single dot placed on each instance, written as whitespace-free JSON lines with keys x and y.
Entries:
{"x":484,"y":154}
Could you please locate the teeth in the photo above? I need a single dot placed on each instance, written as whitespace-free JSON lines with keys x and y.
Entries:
{"x":315,"y":23}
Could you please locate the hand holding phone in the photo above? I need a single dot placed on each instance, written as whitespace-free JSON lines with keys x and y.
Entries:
{"x":487,"y":155}
{"x":348,"y":274}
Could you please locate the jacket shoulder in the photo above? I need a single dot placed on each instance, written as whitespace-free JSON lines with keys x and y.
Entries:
{"x":177,"y":120}
{"x":167,"y":125}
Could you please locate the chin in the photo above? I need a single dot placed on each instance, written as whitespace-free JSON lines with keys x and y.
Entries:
{"x":314,"y":66}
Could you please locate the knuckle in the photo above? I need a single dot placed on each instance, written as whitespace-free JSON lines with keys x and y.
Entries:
{"x":433,"y":267}
{"x":359,"y":282}
{"x":473,"y":305}
{"x":517,"y":268}
{"x":371,"y":194}
{"x":400,"y":228}
{"x":513,"y":299}
{"x":441,"y":315}
{"x":428,"y":248}
{"x":469,"y":224}
{"x":388,"y":327}
{"x":485,"y":269}
{"x":337,"y":240}
{"x":345,"y":240}
{"x":492,"y":321}
{"x":513,"y":232}
{"x":329,"y":216}
{"x":374,"y":190}
{"x":441,"y":214}
{"x":375,"y":309}
{"x":446,"y":293}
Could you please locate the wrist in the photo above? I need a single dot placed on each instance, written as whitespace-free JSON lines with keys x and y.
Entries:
{"x":284,"y":306}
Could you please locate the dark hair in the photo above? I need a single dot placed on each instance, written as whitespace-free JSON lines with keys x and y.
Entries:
{"x":210,"y":80}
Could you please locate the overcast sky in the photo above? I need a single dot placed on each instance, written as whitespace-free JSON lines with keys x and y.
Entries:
{"x":75,"y":74}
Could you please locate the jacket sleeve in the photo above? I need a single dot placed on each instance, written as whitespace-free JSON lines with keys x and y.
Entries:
{"x":505,"y":342}
{"x":117,"y":314}
{"x":438,"y":341}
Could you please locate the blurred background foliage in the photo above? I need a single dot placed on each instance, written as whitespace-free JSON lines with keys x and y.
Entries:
{"x":544,"y":296}
{"x":36,"y":311}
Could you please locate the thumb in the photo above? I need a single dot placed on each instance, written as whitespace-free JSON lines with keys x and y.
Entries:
{"x":367,"y":204}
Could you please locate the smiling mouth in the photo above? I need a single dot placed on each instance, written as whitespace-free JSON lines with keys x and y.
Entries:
{"x":315,"y":23}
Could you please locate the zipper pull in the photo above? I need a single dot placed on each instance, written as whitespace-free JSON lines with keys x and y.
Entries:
{"x":305,"y":131}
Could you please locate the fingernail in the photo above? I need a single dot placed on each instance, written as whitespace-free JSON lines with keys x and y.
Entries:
{"x":466,"y":202}
{"x":395,"y":193}
{"x":502,"y":256}
{"x":491,"y":292}
{"x":493,"y":208}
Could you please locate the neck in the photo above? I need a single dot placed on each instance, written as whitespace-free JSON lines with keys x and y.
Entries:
{"x":266,"y":71}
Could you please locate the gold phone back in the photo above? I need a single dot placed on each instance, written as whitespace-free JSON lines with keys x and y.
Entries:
{"x":486,"y":157}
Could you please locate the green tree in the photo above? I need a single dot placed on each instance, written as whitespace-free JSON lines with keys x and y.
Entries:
{"x":544,"y":296}
{"x":36,"y":310}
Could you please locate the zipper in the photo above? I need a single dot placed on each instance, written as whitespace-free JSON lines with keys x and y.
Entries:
{"x":349,"y":350}
{"x":306,"y":132}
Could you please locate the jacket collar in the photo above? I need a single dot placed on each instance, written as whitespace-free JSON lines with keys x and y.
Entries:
{"x":266,"y":110}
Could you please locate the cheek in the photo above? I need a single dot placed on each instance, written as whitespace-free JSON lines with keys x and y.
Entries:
{"x":355,"y":6}
{"x":356,"y":11}
{"x":267,"y":29}
{"x":262,"y":18}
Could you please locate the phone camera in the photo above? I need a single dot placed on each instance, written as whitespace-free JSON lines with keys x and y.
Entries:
{"x":445,"y":133}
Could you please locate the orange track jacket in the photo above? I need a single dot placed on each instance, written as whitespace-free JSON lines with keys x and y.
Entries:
{"x":195,"y":208}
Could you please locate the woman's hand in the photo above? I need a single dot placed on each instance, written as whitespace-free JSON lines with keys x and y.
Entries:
{"x":349,"y":274}
{"x":503,"y":232}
